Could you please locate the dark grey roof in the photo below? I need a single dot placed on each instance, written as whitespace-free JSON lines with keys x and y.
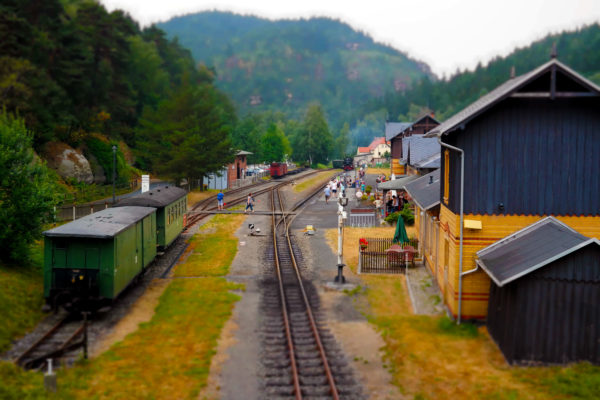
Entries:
{"x":103,"y":224}
{"x":397,"y":183}
{"x":501,"y":92}
{"x":392,"y":129}
{"x":425,"y":194}
{"x":416,"y":149}
{"x":530,"y":249}
{"x":158,"y":197}
{"x":435,"y":161}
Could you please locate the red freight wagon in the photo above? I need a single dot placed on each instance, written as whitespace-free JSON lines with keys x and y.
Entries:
{"x":278,"y":169}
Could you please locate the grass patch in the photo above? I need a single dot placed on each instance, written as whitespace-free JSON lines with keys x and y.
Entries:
{"x":429,"y":357}
{"x":21,"y":297}
{"x":196,"y":196}
{"x":212,"y":253}
{"x":449,"y":327}
{"x":169,"y":356}
{"x":313,"y":181}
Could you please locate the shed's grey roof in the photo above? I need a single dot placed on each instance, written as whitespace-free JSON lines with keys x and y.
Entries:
{"x":397,"y":183}
{"x":243,"y":153}
{"x":435,"y":161}
{"x":503,"y":91}
{"x":159,"y":197}
{"x":103,"y":224}
{"x":416,"y":149}
{"x":392,"y":129}
{"x":425,"y":194}
{"x":530,"y":249}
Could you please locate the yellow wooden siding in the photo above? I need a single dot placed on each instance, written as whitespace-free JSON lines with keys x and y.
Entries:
{"x":494,"y":227}
{"x":397,"y":169}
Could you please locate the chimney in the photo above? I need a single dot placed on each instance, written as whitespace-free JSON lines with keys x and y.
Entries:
{"x":430,"y":179}
{"x":513,"y":73}
{"x":553,"y":53}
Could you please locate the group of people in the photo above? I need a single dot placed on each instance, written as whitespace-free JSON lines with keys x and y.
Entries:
{"x":221,"y":202}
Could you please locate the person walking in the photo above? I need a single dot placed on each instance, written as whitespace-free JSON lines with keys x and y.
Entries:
{"x":334,"y":188}
{"x":327,"y":193}
{"x":220,"y":198}
{"x":249,"y":203}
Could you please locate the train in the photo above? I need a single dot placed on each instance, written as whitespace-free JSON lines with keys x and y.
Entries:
{"x":348,"y":164}
{"x":337,"y":163}
{"x":278,"y":169}
{"x":89,"y":262}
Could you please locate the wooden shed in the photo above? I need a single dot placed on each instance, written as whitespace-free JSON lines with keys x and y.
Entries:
{"x":544,"y":304}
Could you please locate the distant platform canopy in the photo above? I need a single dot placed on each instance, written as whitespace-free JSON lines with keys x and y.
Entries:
{"x":398,"y":183}
{"x":425,"y":191}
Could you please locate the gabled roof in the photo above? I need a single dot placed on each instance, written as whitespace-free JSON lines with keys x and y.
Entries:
{"x":425,"y":191}
{"x":416,"y":149}
{"x":376,"y":142}
{"x":434,"y":161}
{"x":393,"y":129}
{"x":397,"y":183}
{"x":243,"y":153}
{"x":505,"y":90}
{"x":103,"y":224}
{"x":529,"y":249}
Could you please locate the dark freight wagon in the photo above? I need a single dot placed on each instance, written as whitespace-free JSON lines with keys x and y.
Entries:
{"x":171,"y":205}
{"x":97,"y":256}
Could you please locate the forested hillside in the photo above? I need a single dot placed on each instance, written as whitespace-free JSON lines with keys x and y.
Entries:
{"x":284,"y":65}
{"x":82,"y":76}
{"x":578,"y":49}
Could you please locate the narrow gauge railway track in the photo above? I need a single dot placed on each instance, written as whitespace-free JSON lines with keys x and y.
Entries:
{"x":301,"y":356}
{"x":208,"y":204}
{"x":61,"y":342}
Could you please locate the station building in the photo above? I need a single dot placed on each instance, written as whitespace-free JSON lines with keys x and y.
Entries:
{"x":527,"y":150}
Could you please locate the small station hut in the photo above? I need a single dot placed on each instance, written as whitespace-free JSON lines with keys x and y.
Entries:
{"x":544,"y":304}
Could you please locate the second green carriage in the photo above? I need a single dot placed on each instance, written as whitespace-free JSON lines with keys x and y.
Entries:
{"x":171,"y":205}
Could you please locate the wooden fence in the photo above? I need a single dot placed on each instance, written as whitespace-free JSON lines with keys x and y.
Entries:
{"x":374,"y":259}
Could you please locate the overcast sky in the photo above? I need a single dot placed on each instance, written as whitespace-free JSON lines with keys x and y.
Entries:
{"x":446,"y":34}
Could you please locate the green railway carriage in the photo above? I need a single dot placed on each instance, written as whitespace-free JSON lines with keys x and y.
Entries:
{"x":171,"y":205}
{"x":97,"y":256}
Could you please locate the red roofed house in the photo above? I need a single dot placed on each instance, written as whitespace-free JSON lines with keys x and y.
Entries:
{"x":375,"y":152}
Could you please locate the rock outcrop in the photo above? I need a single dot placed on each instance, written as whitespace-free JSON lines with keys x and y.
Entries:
{"x":68,"y":162}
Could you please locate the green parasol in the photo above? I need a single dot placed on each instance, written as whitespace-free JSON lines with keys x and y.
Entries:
{"x":400,"y":236}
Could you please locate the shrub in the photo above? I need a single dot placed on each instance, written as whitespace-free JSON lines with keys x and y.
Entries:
{"x":406,"y":213}
{"x":102,"y":150}
{"x":368,"y":189}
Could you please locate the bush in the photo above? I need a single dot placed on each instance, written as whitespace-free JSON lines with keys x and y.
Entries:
{"x":102,"y":150}
{"x":406,"y":214}
{"x":26,"y":190}
{"x":368,"y":189}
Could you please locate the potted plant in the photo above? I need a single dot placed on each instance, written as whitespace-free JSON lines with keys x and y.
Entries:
{"x":363,"y":243}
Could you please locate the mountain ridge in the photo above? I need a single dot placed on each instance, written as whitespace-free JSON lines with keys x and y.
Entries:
{"x":287,"y":64}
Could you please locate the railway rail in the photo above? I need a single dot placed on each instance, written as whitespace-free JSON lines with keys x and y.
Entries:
{"x":194,"y":215}
{"x":301,"y":356}
{"x":58,"y":343}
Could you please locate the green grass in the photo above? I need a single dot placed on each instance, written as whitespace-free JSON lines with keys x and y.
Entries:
{"x":449,"y":327}
{"x":167,"y":357}
{"x":21,"y":297}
